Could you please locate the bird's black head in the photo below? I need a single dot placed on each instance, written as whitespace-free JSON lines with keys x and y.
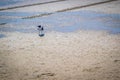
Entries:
{"x":39,"y":26}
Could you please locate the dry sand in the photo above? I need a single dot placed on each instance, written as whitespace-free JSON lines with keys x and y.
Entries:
{"x":81,"y":55}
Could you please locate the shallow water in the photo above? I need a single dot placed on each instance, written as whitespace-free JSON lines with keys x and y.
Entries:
{"x":2,"y":36}
{"x":8,"y":2}
{"x":20,"y":14}
{"x":5,"y":16}
{"x":66,"y":22}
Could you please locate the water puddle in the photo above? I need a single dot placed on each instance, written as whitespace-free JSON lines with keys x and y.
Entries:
{"x":84,"y":20}
{"x":8,"y":17}
{"x":20,"y":14}
{"x":2,"y":36}
{"x":18,"y":30}
{"x":66,"y":22}
{"x":9,"y":2}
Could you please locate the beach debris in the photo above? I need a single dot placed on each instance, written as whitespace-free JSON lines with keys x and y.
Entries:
{"x":41,"y":30}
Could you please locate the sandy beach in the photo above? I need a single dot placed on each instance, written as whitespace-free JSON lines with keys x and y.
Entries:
{"x":79,"y":44}
{"x":83,"y":55}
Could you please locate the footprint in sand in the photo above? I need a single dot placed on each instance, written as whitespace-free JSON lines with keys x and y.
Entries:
{"x":45,"y":74}
{"x":116,"y":60}
{"x":91,"y":69}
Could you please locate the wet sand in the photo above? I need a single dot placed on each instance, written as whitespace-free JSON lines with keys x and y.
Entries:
{"x":81,"y":55}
